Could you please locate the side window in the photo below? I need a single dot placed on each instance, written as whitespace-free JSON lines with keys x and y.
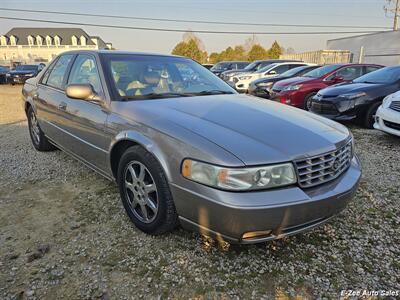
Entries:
{"x":369,"y":69}
{"x":57,"y":74}
{"x":280,"y":69}
{"x":85,"y":71}
{"x":348,"y":73}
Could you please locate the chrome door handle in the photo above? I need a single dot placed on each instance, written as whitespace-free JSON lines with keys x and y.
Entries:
{"x":62,"y":106}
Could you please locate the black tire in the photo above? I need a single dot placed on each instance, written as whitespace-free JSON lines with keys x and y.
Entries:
{"x":369,"y":118}
{"x":166,"y":218}
{"x":308,"y":100}
{"x":39,"y":140}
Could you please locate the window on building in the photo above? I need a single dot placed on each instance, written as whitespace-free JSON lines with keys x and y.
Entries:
{"x":57,"y":74}
{"x":13,"y":40}
{"x":57,"y":40}
{"x":74,"y":40}
{"x":39,"y":40}
{"x":48,"y":40}
{"x":83,"y":40}
{"x":3,"y":40}
{"x":31,"y":40}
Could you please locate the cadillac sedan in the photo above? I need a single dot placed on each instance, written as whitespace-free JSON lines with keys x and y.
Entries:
{"x":190,"y":150}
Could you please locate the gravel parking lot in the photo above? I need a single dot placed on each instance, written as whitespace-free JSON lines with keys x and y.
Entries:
{"x":64,"y":234}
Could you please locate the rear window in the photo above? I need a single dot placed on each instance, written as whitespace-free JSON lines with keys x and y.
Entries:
{"x":317,"y":73}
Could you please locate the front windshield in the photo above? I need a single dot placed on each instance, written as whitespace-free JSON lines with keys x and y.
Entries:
{"x":220,"y":66}
{"x":149,"y":77}
{"x":293,"y":71}
{"x":385,"y":75}
{"x":319,"y":72}
{"x":26,"y":68}
{"x":266,"y":68}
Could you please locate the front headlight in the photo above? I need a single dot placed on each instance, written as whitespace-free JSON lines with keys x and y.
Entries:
{"x":265,"y":84}
{"x":353,"y":95}
{"x":239,"y":179}
{"x":292,"y":87}
{"x":386,"y":102}
{"x":245,"y":77}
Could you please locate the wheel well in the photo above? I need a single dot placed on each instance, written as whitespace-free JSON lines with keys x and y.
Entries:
{"x":27,"y":105}
{"x":117,"y":152}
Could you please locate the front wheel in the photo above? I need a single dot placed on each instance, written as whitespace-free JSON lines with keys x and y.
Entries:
{"x":39,"y":140}
{"x":145,"y":192}
{"x":308,"y":101}
{"x":369,"y":118}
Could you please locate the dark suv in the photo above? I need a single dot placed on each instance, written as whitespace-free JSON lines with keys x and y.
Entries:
{"x":223,"y":66}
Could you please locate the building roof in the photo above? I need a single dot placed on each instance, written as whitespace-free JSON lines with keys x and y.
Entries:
{"x":65,"y":34}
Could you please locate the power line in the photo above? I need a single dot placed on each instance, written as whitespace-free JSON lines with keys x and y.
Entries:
{"x":186,"y":30}
{"x":192,"y":21}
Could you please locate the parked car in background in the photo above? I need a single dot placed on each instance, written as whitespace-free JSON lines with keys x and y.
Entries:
{"x":358,"y":99}
{"x":243,"y":80}
{"x":3,"y":74}
{"x":23,"y":72}
{"x":253,"y":67}
{"x":223,"y":66}
{"x":261,"y":87}
{"x":195,"y":153}
{"x":387,"y":117}
{"x":208,"y":66}
{"x":299,"y":91}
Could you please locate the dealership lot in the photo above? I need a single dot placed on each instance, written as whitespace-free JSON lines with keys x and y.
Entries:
{"x":64,"y":233}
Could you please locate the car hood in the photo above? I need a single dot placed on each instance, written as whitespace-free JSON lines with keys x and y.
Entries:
{"x":21,"y":72}
{"x":348,"y":88}
{"x":270,"y":79}
{"x":295,"y":80}
{"x":254,"y":130}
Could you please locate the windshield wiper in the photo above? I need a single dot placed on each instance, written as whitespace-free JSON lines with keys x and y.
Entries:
{"x":154,"y":96}
{"x":212,"y":92}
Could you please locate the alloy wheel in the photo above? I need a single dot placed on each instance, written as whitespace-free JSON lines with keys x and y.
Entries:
{"x":141,"y":192}
{"x":35,"y":131}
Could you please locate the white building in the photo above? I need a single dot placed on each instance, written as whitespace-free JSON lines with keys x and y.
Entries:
{"x":28,"y":45}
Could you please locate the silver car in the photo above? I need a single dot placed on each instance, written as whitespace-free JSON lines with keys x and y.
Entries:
{"x":185,"y":148}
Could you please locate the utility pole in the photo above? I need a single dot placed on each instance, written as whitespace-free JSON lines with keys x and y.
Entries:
{"x":388,"y":9}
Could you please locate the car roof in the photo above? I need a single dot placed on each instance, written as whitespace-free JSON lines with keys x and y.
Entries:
{"x":121,"y":52}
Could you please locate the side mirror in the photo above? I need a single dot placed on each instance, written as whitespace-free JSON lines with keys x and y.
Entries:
{"x":273,"y":72}
{"x":81,"y":92}
{"x":337,"y":78}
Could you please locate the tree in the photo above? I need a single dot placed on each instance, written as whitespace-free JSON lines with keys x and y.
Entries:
{"x":213,"y":58}
{"x":190,"y":49}
{"x":275,"y":51}
{"x":257,"y":52}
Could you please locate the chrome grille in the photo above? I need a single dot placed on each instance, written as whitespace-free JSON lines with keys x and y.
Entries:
{"x":323,"y":168}
{"x":395,"y":105}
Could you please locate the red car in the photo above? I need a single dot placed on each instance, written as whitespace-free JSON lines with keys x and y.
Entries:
{"x":299,"y":91}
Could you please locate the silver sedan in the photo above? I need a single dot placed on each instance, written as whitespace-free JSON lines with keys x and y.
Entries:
{"x":185,"y":148}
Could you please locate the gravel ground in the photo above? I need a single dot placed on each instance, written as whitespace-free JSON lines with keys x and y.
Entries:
{"x":64,"y":234}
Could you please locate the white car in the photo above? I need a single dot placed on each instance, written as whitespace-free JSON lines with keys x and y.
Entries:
{"x":387,"y":117}
{"x":243,"y":80}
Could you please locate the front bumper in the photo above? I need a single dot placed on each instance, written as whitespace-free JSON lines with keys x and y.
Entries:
{"x":277,"y":213}
{"x":262,"y":92}
{"x":339,"y":109}
{"x":387,"y":120}
{"x":18,"y":79}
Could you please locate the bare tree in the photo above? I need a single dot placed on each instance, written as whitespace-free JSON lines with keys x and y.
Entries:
{"x":392,"y":9}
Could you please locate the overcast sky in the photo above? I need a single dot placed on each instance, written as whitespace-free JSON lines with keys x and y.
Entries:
{"x":319,"y":12}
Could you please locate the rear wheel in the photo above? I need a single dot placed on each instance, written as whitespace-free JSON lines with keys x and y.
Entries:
{"x":145,"y":192}
{"x":39,"y":140}
{"x":369,"y":117}
{"x":308,"y":101}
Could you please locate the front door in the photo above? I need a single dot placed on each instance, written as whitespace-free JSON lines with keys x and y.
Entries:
{"x":84,"y":121}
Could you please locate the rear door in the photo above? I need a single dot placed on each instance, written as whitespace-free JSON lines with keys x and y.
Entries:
{"x":50,"y":98}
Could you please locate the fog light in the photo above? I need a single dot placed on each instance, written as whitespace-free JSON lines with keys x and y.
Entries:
{"x":376,"y":119}
{"x":256,"y":234}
